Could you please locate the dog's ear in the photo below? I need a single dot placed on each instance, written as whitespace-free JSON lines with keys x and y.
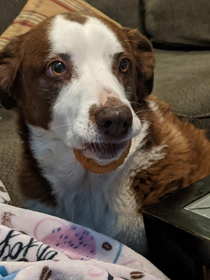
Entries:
{"x":10,"y":62}
{"x":144,"y":60}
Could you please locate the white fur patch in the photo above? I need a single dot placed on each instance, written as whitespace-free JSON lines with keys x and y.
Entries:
{"x":91,"y":47}
{"x":155,"y":108}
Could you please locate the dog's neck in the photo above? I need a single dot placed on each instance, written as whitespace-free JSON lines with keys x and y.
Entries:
{"x":103,"y":202}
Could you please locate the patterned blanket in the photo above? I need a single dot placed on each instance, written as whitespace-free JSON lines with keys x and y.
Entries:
{"x":38,"y":246}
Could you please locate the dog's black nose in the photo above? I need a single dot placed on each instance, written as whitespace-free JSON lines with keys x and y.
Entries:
{"x":114,"y":121}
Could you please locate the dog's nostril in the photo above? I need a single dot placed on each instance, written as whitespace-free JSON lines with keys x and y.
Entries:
{"x":127,"y":124}
{"x":107,"y":124}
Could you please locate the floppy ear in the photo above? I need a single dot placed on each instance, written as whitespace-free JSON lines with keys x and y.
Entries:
{"x":145,"y":62}
{"x":10,"y":61}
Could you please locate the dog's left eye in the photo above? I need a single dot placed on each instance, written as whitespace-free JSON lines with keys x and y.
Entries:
{"x":58,"y":68}
{"x":124,"y":65}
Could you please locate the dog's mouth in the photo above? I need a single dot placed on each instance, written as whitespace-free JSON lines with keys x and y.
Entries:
{"x":104,"y":151}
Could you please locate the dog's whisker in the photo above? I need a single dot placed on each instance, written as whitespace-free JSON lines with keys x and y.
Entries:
{"x":152,"y":123}
{"x":149,"y":122}
{"x":76,"y":139}
{"x":152,"y":140}
{"x":67,"y":124}
{"x":67,"y":139}
{"x":52,"y":128}
{"x":64,"y":143}
{"x":136,"y":103}
{"x":143,"y":111}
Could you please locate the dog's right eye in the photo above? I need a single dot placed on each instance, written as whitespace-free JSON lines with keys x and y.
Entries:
{"x":58,"y":68}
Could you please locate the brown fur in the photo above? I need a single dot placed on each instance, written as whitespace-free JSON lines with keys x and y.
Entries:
{"x":30,"y":180}
{"x":187,"y":156}
{"x":21,"y":62}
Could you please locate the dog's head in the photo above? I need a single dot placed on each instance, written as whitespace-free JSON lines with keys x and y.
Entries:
{"x":79,"y":77}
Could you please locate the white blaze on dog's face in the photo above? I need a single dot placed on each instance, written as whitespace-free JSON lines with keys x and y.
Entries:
{"x":91,"y":49}
{"x":77,"y":78}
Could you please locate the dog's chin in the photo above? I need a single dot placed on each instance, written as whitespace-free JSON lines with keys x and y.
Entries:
{"x":104,"y":153}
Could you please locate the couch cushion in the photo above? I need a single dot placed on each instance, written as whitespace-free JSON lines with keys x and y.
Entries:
{"x":178,"y":21}
{"x":182,"y":80}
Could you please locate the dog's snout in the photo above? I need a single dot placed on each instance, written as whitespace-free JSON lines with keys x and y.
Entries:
{"x":114,"y":121}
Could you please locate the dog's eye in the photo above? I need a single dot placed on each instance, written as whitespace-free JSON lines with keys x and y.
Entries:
{"x":124,"y":65}
{"x":58,"y":68}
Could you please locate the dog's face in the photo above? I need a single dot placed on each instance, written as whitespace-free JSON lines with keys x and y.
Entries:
{"x":80,"y":78}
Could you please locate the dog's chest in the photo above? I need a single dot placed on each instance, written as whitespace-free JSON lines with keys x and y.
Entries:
{"x":104,"y":203}
{"x":93,"y":200}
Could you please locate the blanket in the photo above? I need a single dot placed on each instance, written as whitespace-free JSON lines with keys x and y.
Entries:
{"x":36,"y":246}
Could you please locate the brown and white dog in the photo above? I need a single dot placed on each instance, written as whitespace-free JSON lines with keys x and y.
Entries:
{"x":83,"y":82}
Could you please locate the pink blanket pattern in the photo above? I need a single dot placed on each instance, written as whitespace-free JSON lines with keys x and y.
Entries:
{"x":38,"y":246}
